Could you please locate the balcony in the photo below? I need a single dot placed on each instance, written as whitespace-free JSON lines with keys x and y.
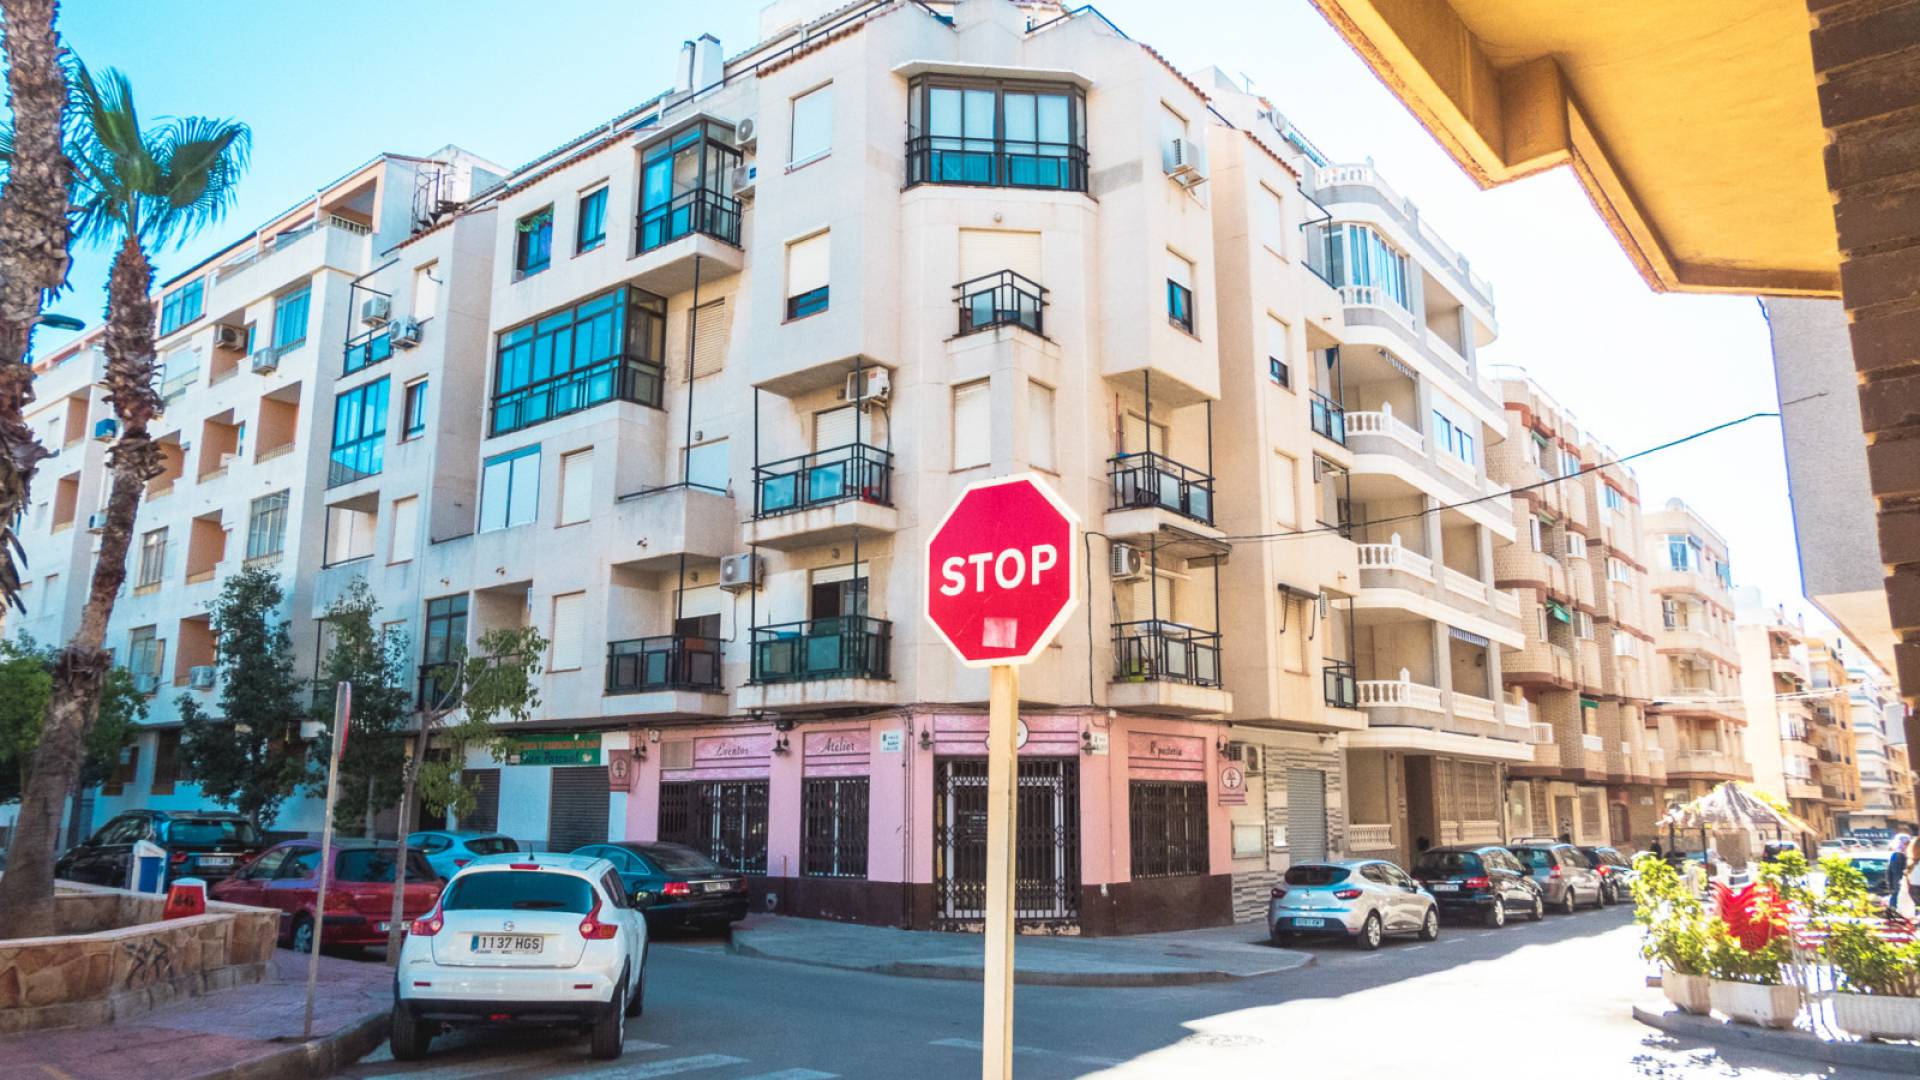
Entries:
{"x":1364,"y":426}
{"x":673,"y":675}
{"x":1326,"y":417}
{"x":1403,"y":714}
{"x":843,"y":661}
{"x":1338,"y":685}
{"x":1000,"y":299}
{"x":822,"y":496}
{"x":934,"y":159}
{"x":1707,"y":765}
{"x":700,"y":225}
{"x":1394,"y":558}
{"x":617,"y":378}
{"x":1167,"y":667}
{"x":682,"y":519}
{"x":1155,"y":481}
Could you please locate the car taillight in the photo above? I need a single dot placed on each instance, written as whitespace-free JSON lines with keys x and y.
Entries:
{"x":740,"y":885}
{"x":1603,"y":871}
{"x":676,"y":888}
{"x":592,"y":928}
{"x":1346,"y":894}
{"x":427,"y":925}
{"x":178,"y":857}
{"x":1554,"y":872}
{"x":1278,"y":892}
{"x":523,"y":866}
{"x":1476,"y":883}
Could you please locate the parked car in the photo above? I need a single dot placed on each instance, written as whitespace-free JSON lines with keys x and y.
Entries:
{"x":675,"y":885}
{"x":1563,"y":874}
{"x":542,"y":940}
{"x":1486,"y":883}
{"x":1361,"y":899}
{"x":1873,"y":866}
{"x":286,"y":877}
{"x":206,"y":844}
{"x":1615,"y":870}
{"x":449,"y":851}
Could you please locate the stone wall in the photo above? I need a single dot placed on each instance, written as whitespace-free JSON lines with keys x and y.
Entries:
{"x":115,"y":959}
{"x":1252,"y":889}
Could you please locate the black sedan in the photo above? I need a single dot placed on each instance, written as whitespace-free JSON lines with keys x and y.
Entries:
{"x":674,"y":885}
{"x":207,"y":844}
{"x":1486,"y":883}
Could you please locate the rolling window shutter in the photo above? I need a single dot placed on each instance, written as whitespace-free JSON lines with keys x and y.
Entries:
{"x":525,"y":497}
{"x":568,"y":628}
{"x":576,"y":487}
{"x":712,"y":326}
{"x":833,"y":428}
{"x":1040,"y":426}
{"x":972,"y":425}
{"x":405,"y":527}
{"x":989,"y":251}
{"x":1179,"y":271}
{"x":807,"y":264}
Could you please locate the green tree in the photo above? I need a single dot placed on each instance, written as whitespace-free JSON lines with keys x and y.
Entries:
{"x":26,"y":682}
{"x":133,"y":187}
{"x":249,"y":757}
{"x":376,"y":662}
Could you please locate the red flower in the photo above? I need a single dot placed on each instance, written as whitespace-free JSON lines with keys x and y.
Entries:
{"x":1741,"y":910}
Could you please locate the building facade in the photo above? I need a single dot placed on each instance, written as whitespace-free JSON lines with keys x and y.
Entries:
{"x":1879,"y":774}
{"x":1784,"y":735}
{"x":1696,"y":671}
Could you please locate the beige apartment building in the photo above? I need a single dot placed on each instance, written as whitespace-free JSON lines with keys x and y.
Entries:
{"x":1783,"y":734}
{"x":1697,"y":699}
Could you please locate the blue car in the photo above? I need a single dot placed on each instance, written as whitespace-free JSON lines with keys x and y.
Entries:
{"x":447,"y":852}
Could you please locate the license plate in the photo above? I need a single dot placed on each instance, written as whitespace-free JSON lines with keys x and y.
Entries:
{"x":384,"y":927}
{"x":214,"y":860}
{"x":514,"y":944}
{"x":1444,"y":886}
{"x":1310,"y":923}
{"x":717,"y":886}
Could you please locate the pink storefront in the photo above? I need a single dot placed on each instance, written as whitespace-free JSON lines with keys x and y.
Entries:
{"x":1122,"y":822}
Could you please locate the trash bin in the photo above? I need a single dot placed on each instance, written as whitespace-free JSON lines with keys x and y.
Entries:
{"x":148,"y":870}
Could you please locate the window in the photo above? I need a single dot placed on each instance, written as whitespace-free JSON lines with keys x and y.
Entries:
{"x":1169,"y":828}
{"x":1625,"y":645}
{"x":406,"y":527}
{"x":368,"y":349}
{"x":359,"y":433}
{"x":1536,"y":530}
{"x":996,"y":134}
{"x":1536,"y":448}
{"x":1576,"y":545}
{"x":510,"y":489}
{"x":1613,"y":497}
{"x":349,"y":534}
{"x":576,"y":487}
{"x":1677,"y":555}
{"x":182,"y":306}
{"x":812,"y":126}
{"x":685,"y":184}
{"x":153,"y":559}
{"x":972,"y":425}
{"x":1172,"y":126}
{"x":416,"y":409}
{"x":1360,"y":257}
{"x":1040,"y":426}
{"x":445,"y":637}
{"x":708,"y":465}
{"x":533,"y":243}
{"x":267,"y":526}
{"x":602,"y":349}
{"x":1286,"y":490}
{"x":145,"y":652}
{"x":1583,"y":626}
{"x":1180,"y":292}
{"x":807,"y":276}
{"x":1279,"y":365}
{"x":569,"y":631}
{"x":726,"y":820}
{"x":1569,"y":462}
{"x":426,"y":290}
{"x":591,"y":230}
{"x":1271,"y":211}
{"x":1617,"y":571}
{"x":290,"y":318}
{"x":833,"y":839}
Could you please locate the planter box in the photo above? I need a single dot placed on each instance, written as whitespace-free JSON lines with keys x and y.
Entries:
{"x":1878,"y":1016}
{"x":1687,"y":992}
{"x":1751,"y":1003}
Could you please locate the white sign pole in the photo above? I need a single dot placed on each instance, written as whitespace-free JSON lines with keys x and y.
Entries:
{"x":342,"y":714}
{"x":1003,"y":703}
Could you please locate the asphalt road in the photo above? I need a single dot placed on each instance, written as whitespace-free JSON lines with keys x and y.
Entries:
{"x":1545,"y":1000}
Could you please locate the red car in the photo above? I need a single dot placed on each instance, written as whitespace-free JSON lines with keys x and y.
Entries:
{"x":286,"y":877}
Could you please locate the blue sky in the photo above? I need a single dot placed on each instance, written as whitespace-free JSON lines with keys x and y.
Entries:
{"x":325,"y":87}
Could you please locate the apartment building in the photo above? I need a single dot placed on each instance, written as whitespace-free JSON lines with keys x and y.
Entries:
{"x":1837,"y":765}
{"x":1697,"y":699}
{"x":1878,"y":722}
{"x":1783,"y":735}
{"x":1900,"y":795}
{"x":1575,"y":566}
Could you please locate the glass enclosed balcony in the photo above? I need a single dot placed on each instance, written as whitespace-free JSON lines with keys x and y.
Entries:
{"x":666,"y":662}
{"x":841,"y":647}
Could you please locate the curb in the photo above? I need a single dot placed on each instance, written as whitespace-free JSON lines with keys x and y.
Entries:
{"x":314,"y":1058}
{"x":1881,"y":1057}
{"x":918,"y":969}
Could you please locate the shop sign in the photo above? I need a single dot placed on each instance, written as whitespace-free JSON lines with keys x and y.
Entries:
{"x":619,"y":770}
{"x":1233,"y":785}
{"x":892,"y":742}
{"x":555,"y":748}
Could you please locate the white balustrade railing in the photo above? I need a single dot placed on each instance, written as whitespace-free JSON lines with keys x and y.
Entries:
{"x":1542,"y":734}
{"x":1369,"y":837}
{"x":1375,"y":296}
{"x":1514,"y":714}
{"x":1469,"y":707}
{"x":1384,"y":423}
{"x":1395,"y":557}
{"x":1593,"y":742}
{"x":1506,"y":603}
{"x":1448,"y":354}
{"x":1465,"y":584}
{"x":1399,"y":694}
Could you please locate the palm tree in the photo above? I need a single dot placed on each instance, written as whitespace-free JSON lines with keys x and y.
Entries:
{"x":135,"y":188}
{"x":33,"y":242}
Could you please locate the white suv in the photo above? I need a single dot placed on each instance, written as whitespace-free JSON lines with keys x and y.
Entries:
{"x":543,"y":940}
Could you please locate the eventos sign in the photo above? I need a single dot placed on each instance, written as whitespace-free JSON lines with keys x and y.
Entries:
{"x":1003,"y":571}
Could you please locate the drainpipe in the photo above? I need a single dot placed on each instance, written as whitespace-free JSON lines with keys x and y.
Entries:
{"x":686,"y":452}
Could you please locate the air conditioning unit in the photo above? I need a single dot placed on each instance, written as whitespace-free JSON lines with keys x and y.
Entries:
{"x":228,"y":337}
{"x":405,"y":334}
{"x":743,"y":571}
{"x":266,"y":361}
{"x":227,"y":460}
{"x":745,"y":132}
{"x":1250,"y":758}
{"x":97,"y":521}
{"x":200,"y":676}
{"x":676,"y":754}
{"x":743,"y":179}
{"x":1125,"y":563}
{"x":106,"y":430}
{"x":1182,"y":162}
{"x":868,"y":384}
{"x":146,"y":684}
{"x":376,"y":310}
{"x":1542,"y":734}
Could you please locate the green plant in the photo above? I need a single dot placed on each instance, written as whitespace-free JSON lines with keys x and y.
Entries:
{"x":1851,"y":918}
{"x":1676,"y":929}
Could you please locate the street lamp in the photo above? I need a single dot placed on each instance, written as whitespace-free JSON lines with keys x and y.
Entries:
{"x":60,"y":322}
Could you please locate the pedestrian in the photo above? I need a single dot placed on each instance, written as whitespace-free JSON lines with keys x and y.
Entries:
{"x":1657,"y":852}
{"x":1898,"y":867}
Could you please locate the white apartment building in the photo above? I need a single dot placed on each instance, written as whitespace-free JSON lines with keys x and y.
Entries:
{"x":1696,"y":682}
{"x":1878,"y":725}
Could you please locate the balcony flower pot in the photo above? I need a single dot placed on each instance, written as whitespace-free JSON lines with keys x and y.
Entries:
{"x":1878,"y":1016}
{"x":1687,"y":992}
{"x":1755,"y":1003}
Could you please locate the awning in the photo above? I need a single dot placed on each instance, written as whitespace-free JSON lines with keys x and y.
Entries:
{"x":1558,"y":612}
{"x":1468,"y":636}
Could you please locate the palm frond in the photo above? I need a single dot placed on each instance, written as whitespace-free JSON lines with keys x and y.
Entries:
{"x":202,"y":160}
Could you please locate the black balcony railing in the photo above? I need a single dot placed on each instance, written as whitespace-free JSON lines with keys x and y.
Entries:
{"x":1337,"y":682}
{"x":842,"y":647}
{"x":1145,"y":480}
{"x":1003,"y":298}
{"x":1160,"y":651}
{"x":697,"y":211}
{"x":668,"y":662}
{"x":620,"y":378}
{"x":855,"y":471}
{"x":1327,"y":417}
{"x":1320,"y":238}
{"x":936,"y":159}
{"x":367,"y":349}
{"x":356,"y":460}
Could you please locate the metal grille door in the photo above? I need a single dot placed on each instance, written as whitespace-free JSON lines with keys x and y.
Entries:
{"x":577,"y":808}
{"x":1046,"y":843}
{"x":485,"y":785}
{"x":726,"y":820}
{"x":1307,"y":815}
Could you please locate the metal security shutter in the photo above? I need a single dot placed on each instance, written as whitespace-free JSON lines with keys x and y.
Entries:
{"x":989,"y":251}
{"x":1307,"y":814}
{"x":712,"y":326}
{"x":485,"y":785}
{"x":577,"y":810}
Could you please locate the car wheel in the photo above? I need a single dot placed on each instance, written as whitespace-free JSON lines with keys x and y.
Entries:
{"x":1539,"y":909}
{"x":303,"y":935}
{"x":637,"y":1002}
{"x":1567,"y":902}
{"x":1370,"y":933}
{"x":1497,"y":914}
{"x":610,"y":1031}
{"x":1600,"y":897}
{"x":1430,"y":927}
{"x":410,"y":1038}
{"x":1608,"y":897}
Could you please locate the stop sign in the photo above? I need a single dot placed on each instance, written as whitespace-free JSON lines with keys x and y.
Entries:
{"x":1003,"y":570}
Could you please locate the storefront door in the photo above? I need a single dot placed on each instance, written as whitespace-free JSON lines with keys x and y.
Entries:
{"x":1046,"y":842}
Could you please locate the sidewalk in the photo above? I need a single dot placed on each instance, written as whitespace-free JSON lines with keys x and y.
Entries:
{"x":1169,"y":959}
{"x":246,"y":1033}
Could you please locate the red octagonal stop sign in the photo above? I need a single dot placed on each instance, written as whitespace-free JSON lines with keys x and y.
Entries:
{"x":1003,"y":570}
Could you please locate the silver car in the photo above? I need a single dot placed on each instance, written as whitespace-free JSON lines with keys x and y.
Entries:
{"x":1566,"y":877}
{"x":1362,"y":900}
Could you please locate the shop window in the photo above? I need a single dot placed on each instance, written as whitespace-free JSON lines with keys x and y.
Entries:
{"x":1169,"y":828}
{"x":834,"y":841}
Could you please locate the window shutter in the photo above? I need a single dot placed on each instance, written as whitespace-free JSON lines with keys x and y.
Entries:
{"x":1286,"y":495}
{"x":1040,"y":426}
{"x":1179,"y":271}
{"x":807,"y":264}
{"x":569,"y":615}
{"x":972,"y":425}
{"x":712,"y":327}
{"x":493,"y":495}
{"x":989,"y":251}
{"x":1277,"y":339}
{"x":576,"y":487}
{"x":833,"y":575}
{"x":405,"y":527}
{"x":526,"y":489}
{"x":833,"y":428}
{"x":707,"y":465}
{"x":812,"y":125}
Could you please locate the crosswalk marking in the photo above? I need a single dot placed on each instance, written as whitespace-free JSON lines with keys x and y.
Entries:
{"x":796,"y":1074}
{"x":647,"y":1070}
{"x":1029,"y":1051}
